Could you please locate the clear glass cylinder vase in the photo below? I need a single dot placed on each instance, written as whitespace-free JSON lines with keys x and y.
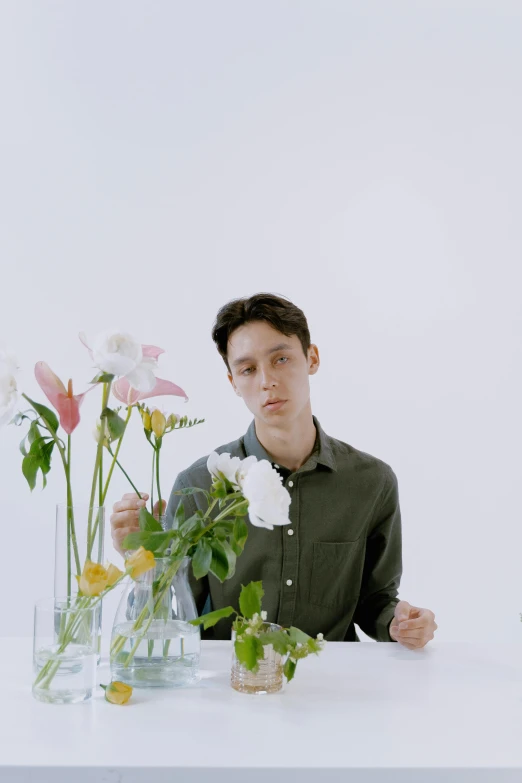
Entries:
{"x":64,"y":649}
{"x":79,"y":536}
{"x":269,"y":677}
{"x":153,"y":643}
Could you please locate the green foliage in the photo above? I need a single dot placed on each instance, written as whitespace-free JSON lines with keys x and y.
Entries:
{"x":115,"y":423}
{"x":249,"y":651}
{"x":211,"y":618}
{"x":289,"y":669}
{"x":219,"y":561}
{"x":49,"y":417}
{"x":37,"y":458}
{"x":103,"y":377}
{"x":202,"y":558}
{"x":148,"y":522}
{"x":250,"y":599}
{"x":155,"y":542}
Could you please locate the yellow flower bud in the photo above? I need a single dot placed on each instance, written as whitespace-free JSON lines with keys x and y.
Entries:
{"x":93,"y":580}
{"x":113,"y":574}
{"x":145,"y":417}
{"x":158,"y":423}
{"x":117,"y":692}
{"x":172,"y":420}
{"x":139,"y":562}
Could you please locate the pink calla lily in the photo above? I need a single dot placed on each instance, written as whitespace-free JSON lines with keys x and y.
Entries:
{"x":66,"y":403}
{"x":124,"y":392}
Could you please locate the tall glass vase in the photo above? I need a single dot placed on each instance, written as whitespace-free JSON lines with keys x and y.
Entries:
{"x":79,"y":536}
{"x":153,"y":643}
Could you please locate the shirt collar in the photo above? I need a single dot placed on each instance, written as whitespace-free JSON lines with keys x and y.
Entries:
{"x":322,"y":453}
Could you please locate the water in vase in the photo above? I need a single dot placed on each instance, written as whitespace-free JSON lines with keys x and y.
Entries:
{"x":166,"y":656}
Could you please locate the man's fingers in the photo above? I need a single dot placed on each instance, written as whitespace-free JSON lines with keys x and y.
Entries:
{"x":133,"y":495}
{"x":419,"y":634}
{"x":129,"y":503}
{"x":125,"y":519}
{"x":119,"y":535}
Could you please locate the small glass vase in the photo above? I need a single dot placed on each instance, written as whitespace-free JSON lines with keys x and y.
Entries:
{"x":79,"y":536}
{"x":269,"y":677}
{"x":153,"y":644}
{"x":64,"y":650}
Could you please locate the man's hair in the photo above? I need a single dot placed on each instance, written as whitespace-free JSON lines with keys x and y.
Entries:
{"x":277,"y":311}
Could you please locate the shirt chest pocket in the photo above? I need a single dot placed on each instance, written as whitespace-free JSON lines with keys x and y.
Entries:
{"x":336,"y":572}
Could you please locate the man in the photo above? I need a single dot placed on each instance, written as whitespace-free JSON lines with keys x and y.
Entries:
{"x":339,"y":562}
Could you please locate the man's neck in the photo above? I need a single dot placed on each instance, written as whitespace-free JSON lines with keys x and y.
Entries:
{"x":289,"y":446}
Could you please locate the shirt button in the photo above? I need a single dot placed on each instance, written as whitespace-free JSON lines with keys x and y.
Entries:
{"x":290,"y":532}
{"x":289,"y":582}
{"x":276,"y":467}
{"x":290,"y":483}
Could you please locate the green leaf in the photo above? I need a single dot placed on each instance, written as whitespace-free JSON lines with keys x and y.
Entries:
{"x":278,"y":639}
{"x":202,"y":558}
{"x":249,"y":651}
{"x":30,"y":468}
{"x":289,"y":669}
{"x":179,"y":516}
{"x":46,"y":413}
{"x":103,"y":377}
{"x":193,"y":491}
{"x":250,"y":599}
{"x":241,"y":509}
{"x":219,"y":490}
{"x":210,"y":619}
{"x":219,"y":562}
{"x":148,"y":522}
{"x":191,"y":526}
{"x":223,"y":529}
{"x":297,"y":636}
{"x":231,"y":557}
{"x":154,"y":542}
{"x":240,"y":534}
{"x":115,"y":423}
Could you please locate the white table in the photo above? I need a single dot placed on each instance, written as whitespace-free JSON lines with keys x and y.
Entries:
{"x":360,"y":712}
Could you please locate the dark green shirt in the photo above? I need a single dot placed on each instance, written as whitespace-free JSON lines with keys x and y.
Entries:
{"x":339,"y":562}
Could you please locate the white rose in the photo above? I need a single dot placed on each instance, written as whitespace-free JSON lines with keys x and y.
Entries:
{"x":244,"y":467}
{"x":222,"y":466}
{"x":268,"y":500}
{"x":117,"y":353}
{"x":8,"y":385}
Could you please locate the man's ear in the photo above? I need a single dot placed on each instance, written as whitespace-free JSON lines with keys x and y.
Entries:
{"x":314,"y":361}
{"x":233,"y":384}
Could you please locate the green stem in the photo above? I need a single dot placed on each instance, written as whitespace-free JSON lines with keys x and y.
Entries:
{"x":65,"y":461}
{"x":71,"y":530}
{"x":115,"y":457}
{"x":158,"y":474}
{"x":99,"y":450}
{"x":124,"y":472}
{"x":152,"y":486}
{"x":221,"y":516}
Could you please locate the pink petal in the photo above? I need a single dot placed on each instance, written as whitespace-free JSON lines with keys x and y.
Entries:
{"x":129,"y":396}
{"x":49,"y":383}
{"x":69,"y":410}
{"x":152,"y":351}
{"x":83,"y":339}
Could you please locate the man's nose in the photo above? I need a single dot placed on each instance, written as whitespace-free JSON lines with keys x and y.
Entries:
{"x":267,"y":379}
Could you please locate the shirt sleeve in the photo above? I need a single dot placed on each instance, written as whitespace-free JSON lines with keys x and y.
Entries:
{"x":382,"y":566}
{"x":199,"y":587}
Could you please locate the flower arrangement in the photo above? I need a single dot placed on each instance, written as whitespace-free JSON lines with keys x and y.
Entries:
{"x":213,"y":539}
{"x":252,"y":636}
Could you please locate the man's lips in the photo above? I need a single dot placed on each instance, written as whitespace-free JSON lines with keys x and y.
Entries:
{"x":272,"y":404}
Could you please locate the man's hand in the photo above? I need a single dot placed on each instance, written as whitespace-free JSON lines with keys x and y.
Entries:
{"x":124,"y":519}
{"x":412,"y":626}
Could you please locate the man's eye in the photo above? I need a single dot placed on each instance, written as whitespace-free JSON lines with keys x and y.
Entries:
{"x":283,"y":358}
{"x":246,"y":371}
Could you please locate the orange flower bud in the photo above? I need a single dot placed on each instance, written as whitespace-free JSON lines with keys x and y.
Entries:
{"x":139,"y":562}
{"x":117,"y":692}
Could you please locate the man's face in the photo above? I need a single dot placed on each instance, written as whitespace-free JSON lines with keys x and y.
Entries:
{"x":267,"y":365}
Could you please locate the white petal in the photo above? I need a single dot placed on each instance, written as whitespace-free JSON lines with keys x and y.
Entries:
{"x":141,"y":378}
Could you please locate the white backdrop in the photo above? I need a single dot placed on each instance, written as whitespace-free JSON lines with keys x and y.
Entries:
{"x":158,"y":159}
